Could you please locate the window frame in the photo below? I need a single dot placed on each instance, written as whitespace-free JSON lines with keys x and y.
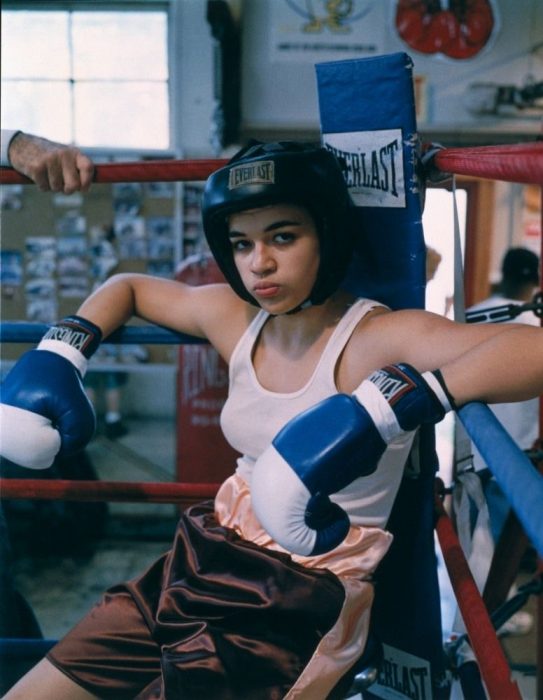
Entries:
{"x":117,"y":6}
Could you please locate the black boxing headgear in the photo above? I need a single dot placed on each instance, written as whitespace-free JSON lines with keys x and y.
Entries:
{"x":285,"y":172}
{"x":520,"y":266}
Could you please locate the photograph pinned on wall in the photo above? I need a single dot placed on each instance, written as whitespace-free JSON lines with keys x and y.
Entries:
{"x":98,"y":233}
{"x":41,"y":300}
{"x":71,"y":223}
{"x":72,"y":265}
{"x":40,"y":256}
{"x":130,"y":233}
{"x":127,"y":198}
{"x":102,"y":251}
{"x":43,"y":288}
{"x":67,"y":200}
{"x":160,"y":236}
{"x":72,"y":245}
{"x":11,"y":272}
{"x":73,"y":287}
{"x":42,"y":310}
{"x":38,"y":266}
{"x":11,"y":197}
{"x":72,"y":259}
{"x":42,"y":246}
{"x":40,"y":288}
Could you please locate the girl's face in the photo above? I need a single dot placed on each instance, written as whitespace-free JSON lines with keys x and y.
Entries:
{"x":276,"y":252}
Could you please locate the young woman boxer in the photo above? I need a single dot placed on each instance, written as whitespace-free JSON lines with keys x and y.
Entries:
{"x":266,"y":592}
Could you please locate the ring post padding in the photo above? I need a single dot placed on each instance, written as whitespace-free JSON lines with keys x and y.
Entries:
{"x":514,"y":472}
{"x":367,"y":114}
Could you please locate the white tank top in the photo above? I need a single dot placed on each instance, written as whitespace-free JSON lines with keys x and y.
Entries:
{"x":253,"y":415}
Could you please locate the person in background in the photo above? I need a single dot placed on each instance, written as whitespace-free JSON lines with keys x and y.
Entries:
{"x":433,"y":260}
{"x":100,"y":383}
{"x":518,"y":284}
{"x":54,"y":167}
{"x":109,"y":384}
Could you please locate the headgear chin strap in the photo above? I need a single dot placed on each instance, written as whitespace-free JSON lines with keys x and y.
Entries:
{"x":285,"y":172}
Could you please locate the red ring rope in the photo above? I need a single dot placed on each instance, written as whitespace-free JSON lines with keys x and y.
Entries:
{"x":515,"y":163}
{"x":142,"y":492}
{"x":521,"y":163}
{"x":137,"y":171}
{"x":493,"y":665}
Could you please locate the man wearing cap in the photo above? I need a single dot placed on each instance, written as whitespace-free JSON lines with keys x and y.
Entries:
{"x":519,"y":282}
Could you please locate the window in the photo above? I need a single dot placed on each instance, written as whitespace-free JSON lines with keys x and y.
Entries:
{"x":438,"y":223}
{"x":95,"y":77}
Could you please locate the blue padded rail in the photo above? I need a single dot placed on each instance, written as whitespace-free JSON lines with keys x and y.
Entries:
{"x":519,"y":480}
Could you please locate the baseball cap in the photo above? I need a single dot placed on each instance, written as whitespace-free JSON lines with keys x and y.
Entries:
{"x":521,"y":265}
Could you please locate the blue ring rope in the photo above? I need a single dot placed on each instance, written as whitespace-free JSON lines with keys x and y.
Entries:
{"x":514,"y":472}
{"x":516,"y":475}
{"x":25,"y":332}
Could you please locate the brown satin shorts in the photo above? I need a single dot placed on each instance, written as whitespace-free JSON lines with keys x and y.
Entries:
{"x":217,"y":618}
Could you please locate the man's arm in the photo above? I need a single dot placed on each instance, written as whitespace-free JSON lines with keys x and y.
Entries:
{"x":7,"y":136}
{"x":52,"y":166}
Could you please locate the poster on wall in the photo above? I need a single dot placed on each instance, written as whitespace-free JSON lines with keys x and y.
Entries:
{"x":316,"y":31}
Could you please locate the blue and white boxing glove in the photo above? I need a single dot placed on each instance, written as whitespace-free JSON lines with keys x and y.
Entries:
{"x":44,"y":409}
{"x":325,"y":448}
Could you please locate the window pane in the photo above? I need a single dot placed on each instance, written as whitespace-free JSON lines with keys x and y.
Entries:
{"x":122,"y":115}
{"x":125,"y":45}
{"x":35,"y":45}
{"x":40,"y":108}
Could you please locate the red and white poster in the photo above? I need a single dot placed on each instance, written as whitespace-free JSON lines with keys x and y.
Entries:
{"x":457,"y":29}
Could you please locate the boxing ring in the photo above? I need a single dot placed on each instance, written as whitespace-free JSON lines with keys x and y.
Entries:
{"x":514,"y":472}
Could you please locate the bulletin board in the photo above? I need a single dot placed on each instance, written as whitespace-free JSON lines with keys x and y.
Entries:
{"x":56,"y":248}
